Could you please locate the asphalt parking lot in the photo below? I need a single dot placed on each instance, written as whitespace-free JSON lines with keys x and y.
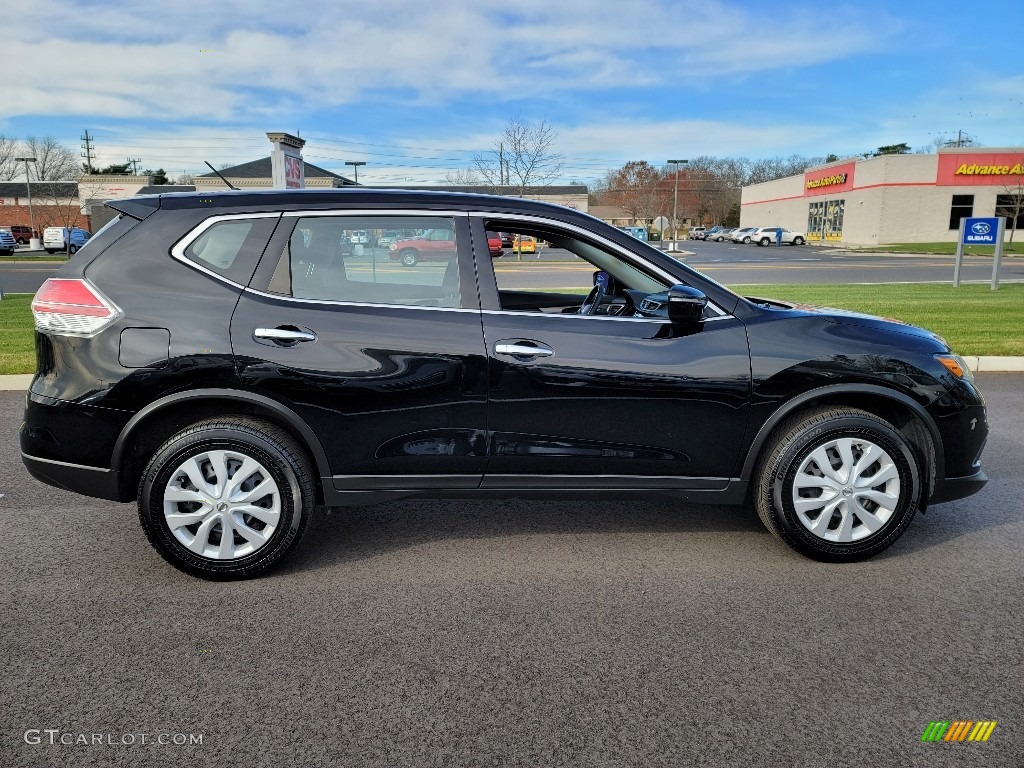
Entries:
{"x":517,"y":634}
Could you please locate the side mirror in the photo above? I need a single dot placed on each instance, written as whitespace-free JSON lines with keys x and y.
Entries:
{"x":685,"y":304}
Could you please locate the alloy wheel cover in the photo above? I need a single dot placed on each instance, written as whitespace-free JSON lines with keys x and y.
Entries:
{"x":222,"y":504}
{"x":846,"y":490}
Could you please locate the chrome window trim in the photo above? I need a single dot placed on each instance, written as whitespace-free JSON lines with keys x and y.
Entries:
{"x":356,"y":212}
{"x":179,"y":248}
{"x":331,"y":302}
{"x":635,"y":259}
{"x":658,"y":320}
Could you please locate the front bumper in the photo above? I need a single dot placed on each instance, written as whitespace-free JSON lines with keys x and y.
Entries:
{"x":952,"y":488}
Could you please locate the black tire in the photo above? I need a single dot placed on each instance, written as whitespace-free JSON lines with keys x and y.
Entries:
{"x":764,"y":241}
{"x":798,"y":241}
{"x":72,"y":249}
{"x":49,"y":251}
{"x":794,"y":441}
{"x":746,"y":240}
{"x":409,"y":257}
{"x":22,"y":241}
{"x":274,"y":450}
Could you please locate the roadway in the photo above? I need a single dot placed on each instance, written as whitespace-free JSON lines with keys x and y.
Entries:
{"x":518,"y":633}
{"x":726,"y":262}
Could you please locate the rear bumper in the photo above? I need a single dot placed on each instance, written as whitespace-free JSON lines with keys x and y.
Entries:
{"x":953,"y":488}
{"x":88,"y":481}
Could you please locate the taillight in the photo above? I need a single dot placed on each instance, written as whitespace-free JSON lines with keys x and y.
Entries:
{"x":71,"y":308}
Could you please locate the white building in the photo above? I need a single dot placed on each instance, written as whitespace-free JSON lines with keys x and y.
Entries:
{"x":892,"y":198}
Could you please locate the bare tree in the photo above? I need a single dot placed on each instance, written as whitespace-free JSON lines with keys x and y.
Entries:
{"x":524,"y":156}
{"x":639,"y":189}
{"x":9,"y":168}
{"x":462,"y":178}
{"x":184,"y":178}
{"x":54,"y":161}
{"x":1010,"y":205}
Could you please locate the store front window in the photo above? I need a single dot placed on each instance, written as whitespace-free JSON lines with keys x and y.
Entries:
{"x":825,"y":220}
{"x":962,"y":208}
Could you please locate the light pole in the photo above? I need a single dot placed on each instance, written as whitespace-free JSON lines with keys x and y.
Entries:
{"x":28,"y":186}
{"x":355,"y":167}
{"x":675,"y":202}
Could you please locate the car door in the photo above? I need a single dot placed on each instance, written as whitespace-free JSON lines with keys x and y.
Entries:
{"x":602,"y":400}
{"x":384,"y":362}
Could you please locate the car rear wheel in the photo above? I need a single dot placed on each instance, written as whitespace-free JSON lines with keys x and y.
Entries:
{"x":798,"y":241}
{"x":72,"y":249}
{"x":49,"y":250}
{"x":226,"y":498}
{"x":409,"y":257}
{"x":838,"y":484}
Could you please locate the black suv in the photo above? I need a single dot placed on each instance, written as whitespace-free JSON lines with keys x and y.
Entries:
{"x":223,"y":359}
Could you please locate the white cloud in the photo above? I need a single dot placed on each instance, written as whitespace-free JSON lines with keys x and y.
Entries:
{"x":144,"y":59}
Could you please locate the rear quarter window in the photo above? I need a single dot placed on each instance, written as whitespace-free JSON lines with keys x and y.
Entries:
{"x":232,"y":248}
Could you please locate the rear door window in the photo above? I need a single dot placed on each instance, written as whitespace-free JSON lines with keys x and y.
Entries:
{"x":420,"y":267}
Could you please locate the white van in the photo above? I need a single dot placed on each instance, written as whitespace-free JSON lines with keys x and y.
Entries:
{"x":57,"y":239}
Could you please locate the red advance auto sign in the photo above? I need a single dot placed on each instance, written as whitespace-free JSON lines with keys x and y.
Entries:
{"x":980,"y":169}
{"x":837,"y":178}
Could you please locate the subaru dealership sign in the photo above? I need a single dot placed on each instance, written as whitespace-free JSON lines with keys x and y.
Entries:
{"x":980,"y":231}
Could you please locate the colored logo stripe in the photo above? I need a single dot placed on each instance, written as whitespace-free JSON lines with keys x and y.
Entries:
{"x":982,"y":730}
{"x":958,"y":730}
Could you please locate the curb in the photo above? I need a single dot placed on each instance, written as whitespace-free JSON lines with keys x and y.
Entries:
{"x":978,"y":364}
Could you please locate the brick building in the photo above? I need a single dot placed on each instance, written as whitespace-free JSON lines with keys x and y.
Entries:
{"x":54,"y":204}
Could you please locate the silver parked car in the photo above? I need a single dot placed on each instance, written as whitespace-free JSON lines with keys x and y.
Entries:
{"x":742,"y":235}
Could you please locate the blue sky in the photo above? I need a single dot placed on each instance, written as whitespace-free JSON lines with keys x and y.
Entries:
{"x":416,"y":87}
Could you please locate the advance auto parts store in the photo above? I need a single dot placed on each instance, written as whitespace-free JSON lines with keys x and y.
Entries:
{"x":892,"y":198}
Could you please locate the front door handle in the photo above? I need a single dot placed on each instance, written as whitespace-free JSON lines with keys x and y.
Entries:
{"x":284,"y":334}
{"x":523,"y":349}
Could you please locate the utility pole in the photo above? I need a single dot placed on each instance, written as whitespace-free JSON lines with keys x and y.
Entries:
{"x":501,"y":165}
{"x":28,"y":186}
{"x":675,"y":202}
{"x":355,"y":167}
{"x":87,"y":146}
{"x":134,"y":163}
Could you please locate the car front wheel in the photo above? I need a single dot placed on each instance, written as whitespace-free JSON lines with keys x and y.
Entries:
{"x":409,"y":258}
{"x":838,"y":484}
{"x":765,"y":241}
{"x":746,"y":240}
{"x":226,"y":498}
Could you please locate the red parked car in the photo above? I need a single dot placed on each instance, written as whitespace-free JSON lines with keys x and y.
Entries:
{"x":435,"y":245}
{"x":432,"y":245}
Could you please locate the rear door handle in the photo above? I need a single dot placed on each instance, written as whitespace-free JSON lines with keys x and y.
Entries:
{"x":285,"y":335}
{"x":523,"y":348}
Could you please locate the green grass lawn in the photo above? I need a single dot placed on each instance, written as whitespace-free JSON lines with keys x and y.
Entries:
{"x":974,"y":319}
{"x":943,"y":248}
{"x":17,"y":337}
